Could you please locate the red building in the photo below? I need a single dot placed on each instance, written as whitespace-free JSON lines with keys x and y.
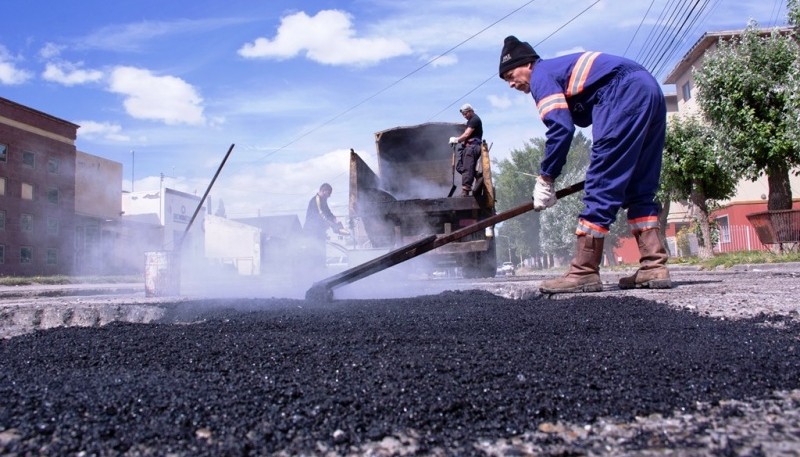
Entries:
{"x":37,"y":192}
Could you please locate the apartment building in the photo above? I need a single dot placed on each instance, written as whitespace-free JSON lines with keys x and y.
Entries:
{"x":37,"y":192}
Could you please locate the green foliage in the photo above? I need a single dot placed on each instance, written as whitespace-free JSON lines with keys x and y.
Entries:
{"x":748,"y":90}
{"x":692,"y":162}
{"x":682,"y":241}
{"x":794,"y":12}
{"x":730,"y":259}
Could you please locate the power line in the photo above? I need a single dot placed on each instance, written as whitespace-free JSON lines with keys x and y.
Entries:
{"x":494,"y":75}
{"x":653,"y":29}
{"x":663,"y":36}
{"x":682,"y":30}
{"x":353,"y":107}
{"x":695,"y":28}
{"x":638,"y":28}
{"x":776,"y":11}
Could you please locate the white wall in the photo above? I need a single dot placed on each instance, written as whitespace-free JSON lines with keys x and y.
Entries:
{"x":174,"y":211}
{"x":233,"y":243}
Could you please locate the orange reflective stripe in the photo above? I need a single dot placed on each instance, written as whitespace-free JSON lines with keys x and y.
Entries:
{"x":587,"y":228}
{"x":580,"y":72}
{"x":641,"y":224}
{"x":550,"y":103}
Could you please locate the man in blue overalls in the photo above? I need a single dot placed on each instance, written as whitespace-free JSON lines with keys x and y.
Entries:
{"x":625,"y":106}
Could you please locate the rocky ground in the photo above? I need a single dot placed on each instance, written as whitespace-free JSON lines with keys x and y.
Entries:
{"x":709,"y":367}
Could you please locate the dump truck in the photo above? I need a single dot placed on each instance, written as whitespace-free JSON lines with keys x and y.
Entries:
{"x":409,"y":197}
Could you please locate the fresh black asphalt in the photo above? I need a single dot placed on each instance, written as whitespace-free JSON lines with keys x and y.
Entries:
{"x":255,"y":377}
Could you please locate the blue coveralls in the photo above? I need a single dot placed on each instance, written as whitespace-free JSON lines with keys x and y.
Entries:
{"x":626,"y":108}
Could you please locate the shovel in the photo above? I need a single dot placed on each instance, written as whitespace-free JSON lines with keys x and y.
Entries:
{"x":453,"y":165}
{"x":323,"y":290}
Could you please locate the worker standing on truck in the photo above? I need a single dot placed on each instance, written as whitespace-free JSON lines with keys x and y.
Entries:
{"x":470,"y":153}
{"x":626,"y":108}
{"x":318,"y":219}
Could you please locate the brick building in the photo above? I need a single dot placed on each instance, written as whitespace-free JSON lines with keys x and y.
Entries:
{"x":37,"y":192}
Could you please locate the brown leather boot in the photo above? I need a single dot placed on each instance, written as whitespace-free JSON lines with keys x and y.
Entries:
{"x":653,"y":272}
{"x":584,"y":270}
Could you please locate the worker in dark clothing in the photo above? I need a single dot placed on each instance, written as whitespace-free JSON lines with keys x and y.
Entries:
{"x":319,"y":219}
{"x":626,"y":108}
{"x":470,"y":153}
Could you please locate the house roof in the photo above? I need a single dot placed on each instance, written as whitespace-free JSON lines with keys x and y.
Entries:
{"x":706,"y":41}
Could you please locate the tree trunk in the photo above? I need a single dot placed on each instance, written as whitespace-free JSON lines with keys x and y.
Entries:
{"x":698,"y":199}
{"x":780,"y":189}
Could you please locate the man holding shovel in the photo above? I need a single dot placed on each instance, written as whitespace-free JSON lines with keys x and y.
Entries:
{"x":319,"y":219}
{"x":471,"y":151}
{"x":626,"y":109}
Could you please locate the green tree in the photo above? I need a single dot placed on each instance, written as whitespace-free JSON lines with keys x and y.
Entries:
{"x":691,"y":172}
{"x":514,"y":180}
{"x":748,"y":88}
{"x":794,"y":12}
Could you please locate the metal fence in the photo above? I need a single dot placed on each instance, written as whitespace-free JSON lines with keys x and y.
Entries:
{"x":729,"y":238}
{"x":734,"y":238}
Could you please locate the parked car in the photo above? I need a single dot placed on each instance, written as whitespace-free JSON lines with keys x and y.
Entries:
{"x":507,"y":268}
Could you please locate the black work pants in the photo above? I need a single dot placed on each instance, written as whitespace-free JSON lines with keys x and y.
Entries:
{"x":467,"y":161}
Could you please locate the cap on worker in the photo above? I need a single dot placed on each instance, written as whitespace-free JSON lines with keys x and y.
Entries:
{"x":515,"y":54}
{"x":465,"y":107}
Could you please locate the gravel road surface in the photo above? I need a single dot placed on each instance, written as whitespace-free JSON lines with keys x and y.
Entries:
{"x":710,"y":367}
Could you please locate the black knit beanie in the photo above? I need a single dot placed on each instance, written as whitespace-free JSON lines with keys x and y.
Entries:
{"x":515,"y":54}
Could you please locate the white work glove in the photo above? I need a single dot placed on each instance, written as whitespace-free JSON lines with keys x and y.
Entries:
{"x":453,"y":139}
{"x":544,"y":194}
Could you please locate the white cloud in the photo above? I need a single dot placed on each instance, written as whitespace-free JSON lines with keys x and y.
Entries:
{"x":500,"y":102}
{"x":444,"y":61}
{"x":9,"y":73}
{"x":70,"y":74}
{"x":50,"y":51}
{"x":133,"y":37}
{"x":109,"y":131}
{"x":327,"y":38}
{"x":163,"y":98}
{"x":246,"y":189}
{"x":572,"y":50}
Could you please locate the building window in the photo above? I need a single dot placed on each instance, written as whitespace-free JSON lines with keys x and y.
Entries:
{"x":25,"y":254}
{"x":2,"y":254}
{"x":686,"y":90}
{"x":724,"y":229}
{"x":52,"y":226}
{"x":52,"y":195}
{"x":52,"y":256}
{"x":2,"y":219}
{"x":26,"y":222}
{"x":2,"y":186}
{"x":52,"y":165}
{"x":27,"y":191}
{"x":28,"y":159}
{"x":3,"y":152}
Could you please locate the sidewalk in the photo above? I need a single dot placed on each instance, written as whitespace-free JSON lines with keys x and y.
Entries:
{"x":56,"y":290}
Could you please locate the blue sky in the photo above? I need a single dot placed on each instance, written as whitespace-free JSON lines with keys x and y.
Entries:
{"x":165,"y":87}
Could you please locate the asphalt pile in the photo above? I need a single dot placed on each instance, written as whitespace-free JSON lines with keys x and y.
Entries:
{"x":255,"y":377}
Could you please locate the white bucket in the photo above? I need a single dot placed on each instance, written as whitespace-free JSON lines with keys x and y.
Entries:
{"x":162,"y":276}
